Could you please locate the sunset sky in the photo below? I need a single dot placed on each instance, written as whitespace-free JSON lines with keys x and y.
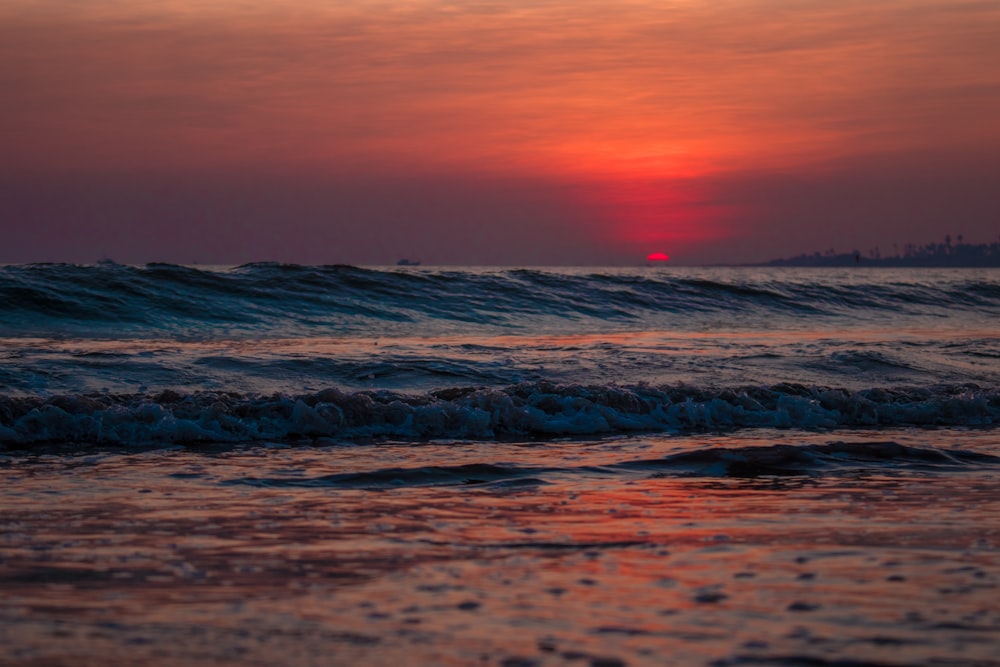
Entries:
{"x":494,"y":132}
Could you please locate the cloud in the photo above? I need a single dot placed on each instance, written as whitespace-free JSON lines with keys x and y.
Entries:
{"x":537,"y":85}
{"x":631,"y":122}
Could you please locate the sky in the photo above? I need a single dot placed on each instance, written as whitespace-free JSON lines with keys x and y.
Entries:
{"x":494,"y":132}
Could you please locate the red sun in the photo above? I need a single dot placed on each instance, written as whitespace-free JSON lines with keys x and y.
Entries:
{"x":657,"y":257}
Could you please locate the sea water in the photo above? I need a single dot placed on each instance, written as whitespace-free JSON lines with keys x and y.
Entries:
{"x":279,"y":464}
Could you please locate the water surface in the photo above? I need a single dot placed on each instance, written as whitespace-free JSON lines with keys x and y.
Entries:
{"x":277,"y":464}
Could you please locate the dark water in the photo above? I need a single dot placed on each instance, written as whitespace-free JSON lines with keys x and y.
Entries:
{"x":278,"y":300}
{"x":278,"y":464}
{"x":166,"y":354}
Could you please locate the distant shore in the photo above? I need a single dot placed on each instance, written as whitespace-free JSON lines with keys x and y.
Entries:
{"x":932,"y":255}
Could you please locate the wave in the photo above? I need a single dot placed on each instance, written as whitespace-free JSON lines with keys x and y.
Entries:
{"x":467,"y":474}
{"x":259,"y":299}
{"x":786,"y":460}
{"x":527,"y":410}
{"x":743,"y":462}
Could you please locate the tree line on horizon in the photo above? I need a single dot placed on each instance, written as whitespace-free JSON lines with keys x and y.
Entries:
{"x":929,"y":255}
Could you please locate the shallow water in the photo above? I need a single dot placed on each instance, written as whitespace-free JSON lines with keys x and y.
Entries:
{"x":601,"y":552}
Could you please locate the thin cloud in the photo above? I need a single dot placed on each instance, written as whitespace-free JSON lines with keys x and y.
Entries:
{"x":632,"y":101}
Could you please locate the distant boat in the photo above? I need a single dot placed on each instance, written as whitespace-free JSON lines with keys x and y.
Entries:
{"x":408,"y":262}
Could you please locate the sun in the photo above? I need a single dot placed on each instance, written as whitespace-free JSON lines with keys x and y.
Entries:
{"x":657,"y":257}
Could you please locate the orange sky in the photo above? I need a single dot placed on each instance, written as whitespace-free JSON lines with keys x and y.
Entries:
{"x":495,"y":132}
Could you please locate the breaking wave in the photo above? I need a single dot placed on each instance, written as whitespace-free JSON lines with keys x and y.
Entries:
{"x":528,"y":410}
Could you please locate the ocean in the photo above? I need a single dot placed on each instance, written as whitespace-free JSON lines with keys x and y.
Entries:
{"x":327,"y":465}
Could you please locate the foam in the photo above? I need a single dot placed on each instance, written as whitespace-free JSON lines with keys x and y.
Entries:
{"x":537,"y":409}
